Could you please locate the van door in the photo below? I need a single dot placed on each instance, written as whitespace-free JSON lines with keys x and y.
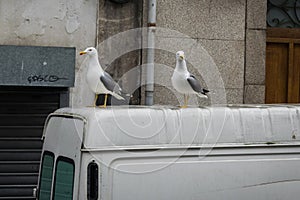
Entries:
{"x":59,"y":173}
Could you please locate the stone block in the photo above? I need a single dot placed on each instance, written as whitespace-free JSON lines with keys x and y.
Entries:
{"x":255,"y":57}
{"x":229,"y":58}
{"x":225,"y":96}
{"x":168,"y":96}
{"x":256,"y":14}
{"x":234,"y":96}
{"x":165,"y":96}
{"x":219,"y":64}
{"x":217,"y":19}
{"x":254,"y":94}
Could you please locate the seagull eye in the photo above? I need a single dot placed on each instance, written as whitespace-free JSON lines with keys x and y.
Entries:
{"x":90,"y":49}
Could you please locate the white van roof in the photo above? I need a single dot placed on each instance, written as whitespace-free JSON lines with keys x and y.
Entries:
{"x":168,"y":126}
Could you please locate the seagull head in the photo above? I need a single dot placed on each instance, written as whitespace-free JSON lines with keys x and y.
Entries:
{"x":180,"y":55}
{"x":91,"y":51}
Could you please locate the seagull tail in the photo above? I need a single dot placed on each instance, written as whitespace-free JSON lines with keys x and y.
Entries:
{"x":124,"y":94}
{"x":119,"y":97}
{"x":203,"y":94}
{"x":204,"y":91}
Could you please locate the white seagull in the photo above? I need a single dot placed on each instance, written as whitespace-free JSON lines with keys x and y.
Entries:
{"x":99,"y":81}
{"x":185,"y":82}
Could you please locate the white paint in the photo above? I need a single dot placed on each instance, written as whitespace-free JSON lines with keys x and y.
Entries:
{"x":49,"y":23}
{"x":72,"y":15}
{"x":72,"y":24}
{"x":36,"y":19}
{"x":22,"y":70}
{"x":35,"y":27}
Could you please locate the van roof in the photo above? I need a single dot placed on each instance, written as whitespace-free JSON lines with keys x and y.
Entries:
{"x":169,"y":126}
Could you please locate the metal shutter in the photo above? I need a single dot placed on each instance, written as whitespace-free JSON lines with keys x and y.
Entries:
{"x":23,"y":111}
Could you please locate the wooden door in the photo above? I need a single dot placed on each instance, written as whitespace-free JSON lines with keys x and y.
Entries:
{"x":283,"y":65}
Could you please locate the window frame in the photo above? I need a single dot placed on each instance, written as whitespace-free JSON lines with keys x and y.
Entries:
{"x":70,"y":161}
{"x":49,"y":153}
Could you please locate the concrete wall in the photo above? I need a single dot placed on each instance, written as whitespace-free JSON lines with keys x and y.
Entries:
{"x":51,"y":23}
{"x":66,"y":23}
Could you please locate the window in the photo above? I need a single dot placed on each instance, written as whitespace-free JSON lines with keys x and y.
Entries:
{"x":92,"y":181}
{"x":283,"y":14}
{"x":64,"y":179}
{"x":46,"y":176}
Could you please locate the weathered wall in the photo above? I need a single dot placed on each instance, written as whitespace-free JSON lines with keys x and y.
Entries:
{"x":66,"y":23}
{"x":231,"y":32}
{"x":52,"y":23}
{"x":114,"y":19}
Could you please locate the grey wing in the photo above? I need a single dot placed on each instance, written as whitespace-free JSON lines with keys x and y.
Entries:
{"x":194,"y":83}
{"x":110,"y":84}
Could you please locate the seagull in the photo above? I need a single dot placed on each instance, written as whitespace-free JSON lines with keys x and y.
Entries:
{"x":99,"y":81}
{"x":184,"y":82}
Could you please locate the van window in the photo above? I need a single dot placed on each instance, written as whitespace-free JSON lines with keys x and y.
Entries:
{"x":46,"y":176}
{"x":64,"y":179}
{"x":92,"y":181}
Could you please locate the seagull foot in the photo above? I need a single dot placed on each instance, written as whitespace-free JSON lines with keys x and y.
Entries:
{"x":183,"y":106}
{"x":103,"y":106}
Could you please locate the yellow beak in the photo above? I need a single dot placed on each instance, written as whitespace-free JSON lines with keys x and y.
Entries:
{"x":181,"y":57}
{"x":82,"y":53}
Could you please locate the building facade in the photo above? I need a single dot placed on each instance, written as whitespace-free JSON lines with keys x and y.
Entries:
{"x":232,"y":32}
{"x":228,"y":46}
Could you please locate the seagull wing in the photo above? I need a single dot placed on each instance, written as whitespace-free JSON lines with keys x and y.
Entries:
{"x":110,"y":84}
{"x":195,"y":84}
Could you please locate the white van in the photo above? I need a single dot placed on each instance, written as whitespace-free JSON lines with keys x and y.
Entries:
{"x":163,"y":153}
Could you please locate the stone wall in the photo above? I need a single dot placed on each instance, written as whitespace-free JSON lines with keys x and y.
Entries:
{"x":232,"y":33}
{"x":218,"y":26}
{"x":255,"y":52}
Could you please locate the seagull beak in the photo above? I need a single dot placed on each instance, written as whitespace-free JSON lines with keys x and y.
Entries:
{"x":82,"y":53}
{"x":181,"y":57}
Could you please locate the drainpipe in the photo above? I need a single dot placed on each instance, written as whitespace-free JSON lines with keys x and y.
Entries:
{"x":150,"y":52}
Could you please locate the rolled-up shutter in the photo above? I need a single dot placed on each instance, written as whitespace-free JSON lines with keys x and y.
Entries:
{"x":23,"y":111}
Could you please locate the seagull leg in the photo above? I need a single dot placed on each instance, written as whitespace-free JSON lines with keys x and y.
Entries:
{"x":185,"y":99}
{"x":105,"y":101}
{"x":95,"y":101}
